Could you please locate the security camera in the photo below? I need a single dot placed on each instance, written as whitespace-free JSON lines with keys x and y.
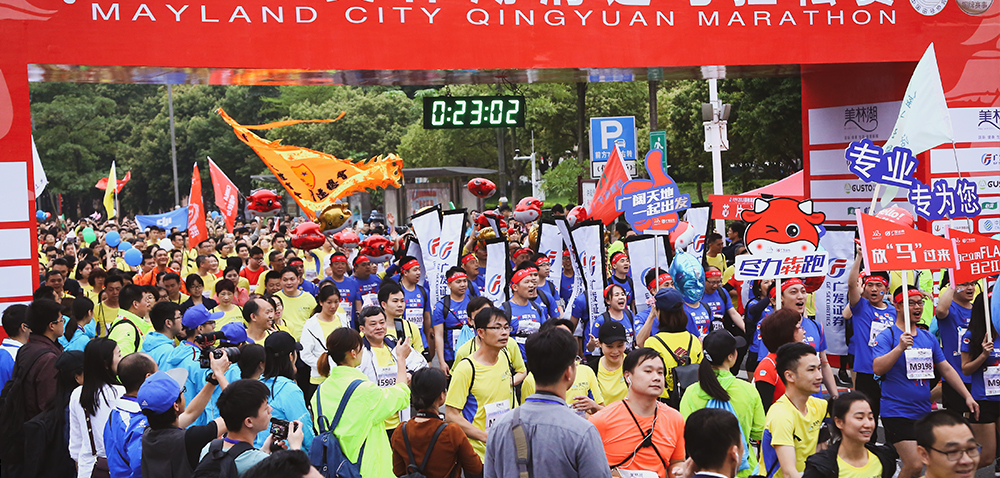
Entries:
{"x":517,"y":152}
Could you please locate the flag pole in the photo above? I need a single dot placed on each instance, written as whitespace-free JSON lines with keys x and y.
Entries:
{"x":656,"y":263}
{"x":906,"y":304}
{"x":986,"y":308}
{"x":777,"y":294}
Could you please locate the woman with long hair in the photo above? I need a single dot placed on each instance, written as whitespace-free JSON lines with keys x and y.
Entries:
{"x":287,"y":400}
{"x":367,"y":408}
{"x":759,"y":306}
{"x":81,"y":326}
{"x":327,"y":316}
{"x":851,"y":452}
{"x":978,"y":354}
{"x":91,"y":405}
{"x":781,"y":327}
{"x":718,"y":388}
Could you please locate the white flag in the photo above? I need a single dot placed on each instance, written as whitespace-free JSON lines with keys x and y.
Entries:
{"x":923,"y":121}
{"x":40,"y":179}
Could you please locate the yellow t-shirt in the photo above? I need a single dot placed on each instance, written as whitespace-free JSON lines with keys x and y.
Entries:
{"x":233,"y":315}
{"x":678,"y":343}
{"x":513,"y":351}
{"x":296,"y":310}
{"x":386,"y":374}
{"x":786,"y":426}
{"x":873,"y":469}
{"x":489,"y":397}
{"x":585,"y":385}
{"x":611,"y":383}
{"x":718,"y":261}
{"x":209,"y":280}
{"x":409,"y":330}
{"x":181,"y":298}
{"x":105,"y":316}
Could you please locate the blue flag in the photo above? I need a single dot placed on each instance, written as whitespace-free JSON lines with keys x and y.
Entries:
{"x":177,"y":218}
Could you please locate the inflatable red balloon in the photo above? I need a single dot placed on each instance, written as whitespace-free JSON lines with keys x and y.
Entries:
{"x":482,"y":187}
{"x":263,"y":203}
{"x":813,"y":283}
{"x":527,"y":210}
{"x":577,"y":215}
{"x":682,"y":236}
{"x":307,"y":236}
{"x":346,"y":238}
{"x":377,"y":248}
{"x":896,"y":215}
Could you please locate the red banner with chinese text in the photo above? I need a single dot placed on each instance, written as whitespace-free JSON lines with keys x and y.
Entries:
{"x":888,"y":246}
{"x":226,"y":194}
{"x":977,"y":256}
{"x":197,"y":231}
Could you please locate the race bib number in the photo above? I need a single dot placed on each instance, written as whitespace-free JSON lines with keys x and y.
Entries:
{"x":877,"y":328}
{"x":386,"y":376}
{"x":919,"y":364}
{"x":454,"y":338}
{"x":368,"y":300}
{"x":527,"y":327}
{"x":991,"y":380}
{"x":415,"y":317}
{"x":348,"y":307}
{"x":636,"y":473}
{"x":958,"y":346}
{"x":494,"y":411}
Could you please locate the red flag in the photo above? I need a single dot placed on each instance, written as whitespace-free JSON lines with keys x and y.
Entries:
{"x":226,"y":194}
{"x":608,"y":188}
{"x":103,"y":183}
{"x":197,"y":231}
{"x":977,"y":256}
{"x":892,"y":247}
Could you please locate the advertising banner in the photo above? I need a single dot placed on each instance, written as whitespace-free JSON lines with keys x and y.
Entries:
{"x":728,"y":207}
{"x":889,"y":246}
{"x":427,"y":227}
{"x":652,"y":205}
{"x":831,"y":298}
{"x":590,"y":252}
{"x":550,"y":243}
{"x":496,"y":270}
{"x":975,"y":256}
{"x":579,"y":285}
{"x":779,"y":265}
{"x":177,"y":218}
{"x":197,"y":231}
{"x":644,"y":254}
{"x":226,"y":194}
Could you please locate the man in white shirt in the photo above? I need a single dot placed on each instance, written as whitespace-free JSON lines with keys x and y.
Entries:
{"x":15,"y":327}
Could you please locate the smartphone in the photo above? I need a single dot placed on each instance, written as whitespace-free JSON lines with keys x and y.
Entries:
{"x":399,"y":329}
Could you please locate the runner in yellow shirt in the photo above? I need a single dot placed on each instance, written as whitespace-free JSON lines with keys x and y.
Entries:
{"x":131,"y":327}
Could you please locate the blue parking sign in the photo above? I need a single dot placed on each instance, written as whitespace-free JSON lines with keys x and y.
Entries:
{"x":605,"y":133}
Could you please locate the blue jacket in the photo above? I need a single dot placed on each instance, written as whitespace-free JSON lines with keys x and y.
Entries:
{"x":123,"y":439}
{"x":161,"y":349}
{"x":81,"y":338}
{"x":287,"y":403}
{"x":196,"y":380}
{"x":6,"y":368}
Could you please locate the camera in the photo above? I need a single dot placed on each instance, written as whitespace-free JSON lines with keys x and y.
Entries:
{"x":279,"y":428}
{"x":205,"y":341}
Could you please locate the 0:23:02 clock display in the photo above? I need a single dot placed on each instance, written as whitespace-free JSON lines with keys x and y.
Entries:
{"x":442,"y":112}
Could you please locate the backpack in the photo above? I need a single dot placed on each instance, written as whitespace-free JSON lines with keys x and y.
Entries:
{"x":326,"y":454}
{"x":684,"y":374}
{"x":418,"y":471}
{"x":728,"y":406}
{"x":219,"y":463}
{"x":138,"y":334}
{"x":12,"y":411}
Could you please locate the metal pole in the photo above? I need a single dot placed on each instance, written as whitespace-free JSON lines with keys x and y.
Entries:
{"x":173,"y":144}
{"x":653,"y":119}
{"x":581,"y":121}
{"x":500,"y":161}
{"x":713,"y":97}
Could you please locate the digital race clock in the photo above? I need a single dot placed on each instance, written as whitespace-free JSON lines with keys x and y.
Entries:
{"x":441,"y":112}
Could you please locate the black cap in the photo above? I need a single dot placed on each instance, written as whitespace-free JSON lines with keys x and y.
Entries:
{"x":610,"y":332}
{"x":281,"y":342}
{"x":719,"y":344}
{"x":70,"y":361}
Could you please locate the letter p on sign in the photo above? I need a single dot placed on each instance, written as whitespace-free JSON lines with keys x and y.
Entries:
{"x":610,"y":130}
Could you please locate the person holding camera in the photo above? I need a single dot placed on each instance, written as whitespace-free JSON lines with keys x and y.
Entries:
{"x":288,"y":402}
{"x":199,"y":328}
{"x":244,"y":408}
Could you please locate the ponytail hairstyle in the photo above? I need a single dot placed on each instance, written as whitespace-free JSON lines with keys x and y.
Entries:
{"x":977,"y":327}
{"x":339,"y":343}
{"x":81,"y":307}
{"x":709,"y":382}
{"x":251,"y":356}
{"x":324,"y":293}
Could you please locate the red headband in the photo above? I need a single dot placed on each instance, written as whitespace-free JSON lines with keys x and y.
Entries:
{"x":544,"y":260}
{"x":876,"y":278}
{"x":607,"y":290}
{"x":338,"y":259}
{"x":457,"y":276}
{"x":522,"y":274}
{"x":658,"y":281}
{"x":361,"y":260}
{"x":912,"y":292}
{"x":523,"y":250}
{"x":617,"y":256}
{"x":409,"y":265}
{"x":466,"y":258}
{"x":566,"y":253}
{"x":713,"y":273}
{"x":786,"y":284}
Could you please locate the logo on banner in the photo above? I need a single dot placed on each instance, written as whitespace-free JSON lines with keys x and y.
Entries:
{"x":494,"y":284}
{"x":782,"y":225}
{"x":651,"y":205}
{"x":552,"y":255}
{"x":750,"y":267}
{"x":590,"y":263}
{"x":439,"y":250}
{"x":977,"y":256}
{"x":990,"y":159}
{"x":837,"y":267}
{"x":863,"y":117}
{"x":699,"y":243}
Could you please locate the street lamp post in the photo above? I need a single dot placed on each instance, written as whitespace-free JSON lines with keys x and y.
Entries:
{"x":715,"y":113}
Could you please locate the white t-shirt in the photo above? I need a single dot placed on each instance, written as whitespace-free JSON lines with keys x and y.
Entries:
{"x":79,"y":440}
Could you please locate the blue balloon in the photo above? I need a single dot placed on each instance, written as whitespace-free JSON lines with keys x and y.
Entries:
{"x":133,"y":257}
{"x":215,"y":214}
{"x":125,"y":246}
{"x":689,"y":277}
{"x":40,"y":215}
{"x":113,"y":238}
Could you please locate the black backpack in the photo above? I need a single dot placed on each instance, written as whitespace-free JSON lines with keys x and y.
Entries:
{"x":684,"y":374}
{"x":12,"y":411}
{"x":418,"y":471}
{"x":219,"y":463}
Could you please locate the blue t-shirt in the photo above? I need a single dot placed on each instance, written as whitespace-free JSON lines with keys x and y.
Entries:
{"x":640,"y":320}
{"x":758,"y":345}
{"x":6,"y":368}
{"x":718,"y":301}
{"x":566,"y":286}
{"x":581,"y":311}
{"x":952,"y":330}
{"x":309,"y":287}
{"x":348,"y":294}
{"x":524,"y":321}
{"x":863,"y":316}
{"x":453,"y":319}
{"x":477,"y":285}
{"x":978,"y":379}
{"x":417,"y":302}
{"x":629,"y":293}
{"x":699,"y":320}
{"x":547,"y":302}
{"x":627,"y":321}
{"x":903,"y":397}
{"x":366,"y":288}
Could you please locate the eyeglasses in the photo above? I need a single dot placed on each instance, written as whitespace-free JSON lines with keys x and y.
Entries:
{"x":59,"y":320}
{"x":954,"y":455}
{"x":916,"y":303}
{"x":505,"y":328}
